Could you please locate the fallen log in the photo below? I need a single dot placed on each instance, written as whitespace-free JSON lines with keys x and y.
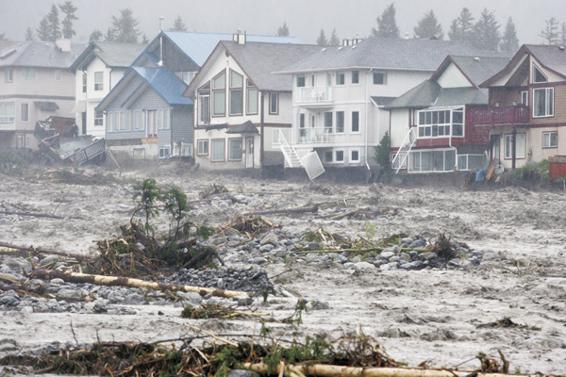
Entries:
{"x":323,"y":370}
{"x":284,"y":211}
{"x":26,"y":250}
{"x":75,"y":277}
{"x":32,"y":214}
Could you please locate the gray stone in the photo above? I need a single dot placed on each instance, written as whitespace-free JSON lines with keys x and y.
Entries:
{"x":100,"y":306}
{"x":70,"y":294}
{"x":428,"y":256}
{"x":242,"y":373}
{"x":9,"y":298}
{"x":419,"y":242}
{"x":18,"y":265}
{"x":364,"y":266}
{"x":115,"y":297}
{"x":348,"y":265}
{"x":57,"y":281}
{"x":134,"y":299}
{"x":258,"y":260}
{"x":386,"y":254}
{"x":388,"y":266}
{"x":266,"y":248}
{"x":49,"y":261}
{"x":26,"y":309}
{"x":313,"y":246}
{"x":270,"y":238}
{"x":342,"y":259}
{"x":190,"y":297}
{"x":415,"y":265}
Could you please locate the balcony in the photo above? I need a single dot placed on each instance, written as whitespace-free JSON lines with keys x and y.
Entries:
{"x":7,"y":124}
{"x":314,"y":97}
{"x":499,"y":116}
{"x":316,"y":135}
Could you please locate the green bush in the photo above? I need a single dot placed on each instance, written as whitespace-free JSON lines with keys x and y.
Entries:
{"x":532,"y":172}
{"x":383,"y":156}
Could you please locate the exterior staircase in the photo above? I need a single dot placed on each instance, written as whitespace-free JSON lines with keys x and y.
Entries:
{"x":401,"y":158}
{"x":309,"y":161}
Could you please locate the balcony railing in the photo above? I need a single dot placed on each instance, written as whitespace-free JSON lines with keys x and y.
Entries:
{"x":504,"y":115}
{"x":315,"y":135}
{"x":314,"y":96}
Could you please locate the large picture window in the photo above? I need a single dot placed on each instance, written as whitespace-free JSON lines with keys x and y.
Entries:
{"x":236,"y":93}
{"x":440,"y":123}
{"x":543,"y":102}
{"x":219,"y":94}
{"x":218,"y":150}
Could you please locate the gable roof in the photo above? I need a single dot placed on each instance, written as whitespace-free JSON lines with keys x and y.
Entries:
{"x":165,"y":83}
{"x":113,"y":54}
{"x":476,"y":68}
{"x":259,"y":60}
{"x":551,"y":57}
{"x":387,"y":54}
{"x":38,"y":54}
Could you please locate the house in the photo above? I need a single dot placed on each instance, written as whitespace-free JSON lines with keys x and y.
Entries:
{"x":242,"y":107}
{"x":431,"y":127}
{"x":339,"y":94}
{"x":97,"y":70}
{"x":146,"y":114}
{"x":527,"y":107}
{"x":35,"y":84}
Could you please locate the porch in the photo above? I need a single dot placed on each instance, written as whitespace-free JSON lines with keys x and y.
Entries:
{"x":501,"y":115}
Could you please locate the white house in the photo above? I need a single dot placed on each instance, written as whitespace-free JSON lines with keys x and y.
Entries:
{"x":97,"y":70}
{"x":241,"y":105}
{"x":339,"y":94}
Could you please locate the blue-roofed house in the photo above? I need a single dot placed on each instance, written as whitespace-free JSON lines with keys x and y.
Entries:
{"x":146,"y":115}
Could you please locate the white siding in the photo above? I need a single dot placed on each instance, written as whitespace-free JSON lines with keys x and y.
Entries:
{"x":452,"y":77}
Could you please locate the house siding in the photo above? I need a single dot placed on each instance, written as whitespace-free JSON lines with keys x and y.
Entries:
{"x":182,"y":125}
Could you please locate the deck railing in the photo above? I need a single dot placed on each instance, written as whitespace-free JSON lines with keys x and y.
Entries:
{"x":502,"y":115}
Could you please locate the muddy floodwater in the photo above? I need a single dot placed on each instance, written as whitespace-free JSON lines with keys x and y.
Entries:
{"x":438,"y":315}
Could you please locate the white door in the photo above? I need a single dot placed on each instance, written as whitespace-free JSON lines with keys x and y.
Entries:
{"x":249,"y":152}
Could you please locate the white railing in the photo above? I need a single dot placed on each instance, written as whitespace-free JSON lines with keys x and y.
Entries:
{"x":400,"y":159}
{"x":314,"y":95}
{"x":315,"y":135}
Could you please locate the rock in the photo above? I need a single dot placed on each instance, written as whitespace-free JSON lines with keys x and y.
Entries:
{"x":270,"y":238}
{"x":388,"y":266}
{"x":36,"y":285}
{"x":115,"y":297}
{"x":386,"y":254}
{"x":57,"y":281}
{"x":348,"y":265}
{"x":428,"y":256}
{"x":415,"y":265}
{"x":317,"y":305}
{"x":258,"y":260}
{"x":313,"y":246}
{"x":26,"y":309}
{"x":419,"y":242}
{"x":100,"y":306}
{"x":18,"y":265}
{"x":364,"y":266}
{"x":9,"y":298}
{"x":242,"y":373}
{"x":8,"y":345}
{"x":50,"y":260}
{"x":70,"y":294}
{"x":266,"y":248}
{"x":134,"y":299}
{"x":190,"y":297}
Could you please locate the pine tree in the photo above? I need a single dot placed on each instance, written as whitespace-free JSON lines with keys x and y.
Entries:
{"x":95,"y":36}
{"x":462,"y":27}
{"x":110,"y":35}
{"x":283,"y":30}
{"x":124,"y":28}
{"x":322,"y":40}
{"x":550,"y":32}
{"x":53,"y":22}
{"x":510,"y":42}
{"x":69,"y":10}
{"x":334,"y":40}
{"x":486,"y":32}
{"x":29,"y":34}
{"x":428,"y":27}
{"x":179,"y":25}
{"x":386,"y":24}
{"x":44,"y":31}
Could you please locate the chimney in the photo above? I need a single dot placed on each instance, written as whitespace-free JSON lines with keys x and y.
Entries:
{"x":64,"y":45}
{"x":239,"y":37}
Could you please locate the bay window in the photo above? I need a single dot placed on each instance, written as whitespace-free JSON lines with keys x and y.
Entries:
{"x":543,"y":102}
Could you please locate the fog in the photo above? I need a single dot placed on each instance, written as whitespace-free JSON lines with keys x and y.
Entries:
{"x":305,"y":18}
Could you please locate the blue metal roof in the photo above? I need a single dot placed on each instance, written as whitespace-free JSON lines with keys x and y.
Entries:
{"x":198,"y":46}
{"x":166,"y":84}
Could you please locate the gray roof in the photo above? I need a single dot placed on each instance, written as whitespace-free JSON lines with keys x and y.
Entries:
{"x":382,"y":101}
{"x":479,"y":69}
{"x":113,"y":54}
{"x":386,"y":53}
{"x":165,"y":83}
{"x":553,"y":57}
{"x":245,"y":128}
{"x":38,"y":54}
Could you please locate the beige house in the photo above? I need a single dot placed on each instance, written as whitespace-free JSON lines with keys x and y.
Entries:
{"x":35,"y":83}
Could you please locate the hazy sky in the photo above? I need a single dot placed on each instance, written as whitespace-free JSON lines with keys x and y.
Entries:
{"x":304,"y":17}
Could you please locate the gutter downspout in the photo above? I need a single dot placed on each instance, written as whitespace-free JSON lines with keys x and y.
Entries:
{"x":261,"y":126}
{"x":514,"y":149}
{"x":366,"y":121}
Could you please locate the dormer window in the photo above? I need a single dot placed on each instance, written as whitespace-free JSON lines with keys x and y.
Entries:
{"x":538,"y":76}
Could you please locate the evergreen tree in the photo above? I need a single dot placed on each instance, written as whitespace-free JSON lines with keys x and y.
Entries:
{"x":334,"y":40}
{"x":69,"y":10}
{"x":124,"y":28}
{"x":44,"y":31}
{"x":110,"y":35}
{"x":462,"y":27}
{"x":386,"y":24}
{"x":428,"y":27}
{"x":322,"y":40}
{"x":179,"y":25}
{"x":283,"y":30}
{"x":486,"y":32}
{"x":550,"y":32}
{"x":29,"y":34}
{"x":145,"y":39}
{"x":53,"y":23}
{"x":95,"y":36}
{"x":510,"y":42}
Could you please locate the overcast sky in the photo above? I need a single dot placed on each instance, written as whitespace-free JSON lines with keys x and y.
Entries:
{"x":304,"y":17}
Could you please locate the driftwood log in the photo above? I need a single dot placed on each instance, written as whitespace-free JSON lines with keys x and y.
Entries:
{"x":75,"y":277}
{"x":284,"y":211}
{"x":322,"y":370}
{"x":27,"y":250}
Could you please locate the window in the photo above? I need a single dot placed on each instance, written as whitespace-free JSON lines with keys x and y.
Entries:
{"x":124,"y":120}
{"x":339,"y":122}
{"x":9,"y":74}
{"x":457,"y":122}
{"x":7,"y":112}
{"x":538,"y":76}
{"x":550,"y":139}
{"x":328,"y":122}
{"x":99,"y":118}
{"x":520,"y":143}
{"x":218,"y":152}
{"x":84,"y":81}
{"x":29,"y":74}
{"x":162,"y":119}
{"x":438,"y":123}
{"x":164,"y":151}
{"x":24,"y":113}
{"x":202,"y":147}
{"x":340,"y":78}
{"x":98,"y":81}
{"x":219,"y":95}
{"x":301,"y":82}
{"x":113,"y":121}
{"x":355,"y":77}
{"x":543,"y":102}
{"x":236,"y":93}
{"x":426,"y":161}
{"x":313,"y":80}
{"x":339,"y":156}
{"x":355,"y":121}
{"x":302,"y":130}
{"x":252,"y":100}
{"x":355,"y":156}
{"x":138,"y":120}
{"x":235,"y":149}
{"x":379,"y":78}
{"x":525,"y":98}
{"x":273,"y":103}
{"x":204,"y":109}
{"x":327,"y":156}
